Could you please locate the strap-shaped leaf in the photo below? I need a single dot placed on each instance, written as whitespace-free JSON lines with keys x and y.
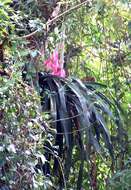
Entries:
{"x":62,"y":109}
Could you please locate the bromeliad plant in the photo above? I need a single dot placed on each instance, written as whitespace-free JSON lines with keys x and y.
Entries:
{"x":79,"y":114}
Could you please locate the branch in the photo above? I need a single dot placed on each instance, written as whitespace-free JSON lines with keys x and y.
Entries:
{"x":56,"y":18}
{"x":67,"y":12}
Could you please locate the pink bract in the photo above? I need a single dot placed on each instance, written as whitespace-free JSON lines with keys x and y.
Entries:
{"x":53,"y":65}
{"x":60,"y":72}
{"x":48,"y":63}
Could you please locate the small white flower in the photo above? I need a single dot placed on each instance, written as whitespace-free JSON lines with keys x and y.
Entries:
{"x":11,"y":148}
{"x":1,"y":148}
{"x":27,"y":152}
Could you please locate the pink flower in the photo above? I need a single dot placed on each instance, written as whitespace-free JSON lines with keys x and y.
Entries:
{"x":60,"y":72}
{"x":48,"y":64}
{"x":53,"y":65}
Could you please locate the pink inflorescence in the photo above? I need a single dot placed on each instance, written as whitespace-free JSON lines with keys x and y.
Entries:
{"x":52,"y":64}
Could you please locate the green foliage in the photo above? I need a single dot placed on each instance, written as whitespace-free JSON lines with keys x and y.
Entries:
{"x":5,"y":10}
{"x":22,"y":132}
{"x":121,"y":180}
{"x":96,"y":36}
